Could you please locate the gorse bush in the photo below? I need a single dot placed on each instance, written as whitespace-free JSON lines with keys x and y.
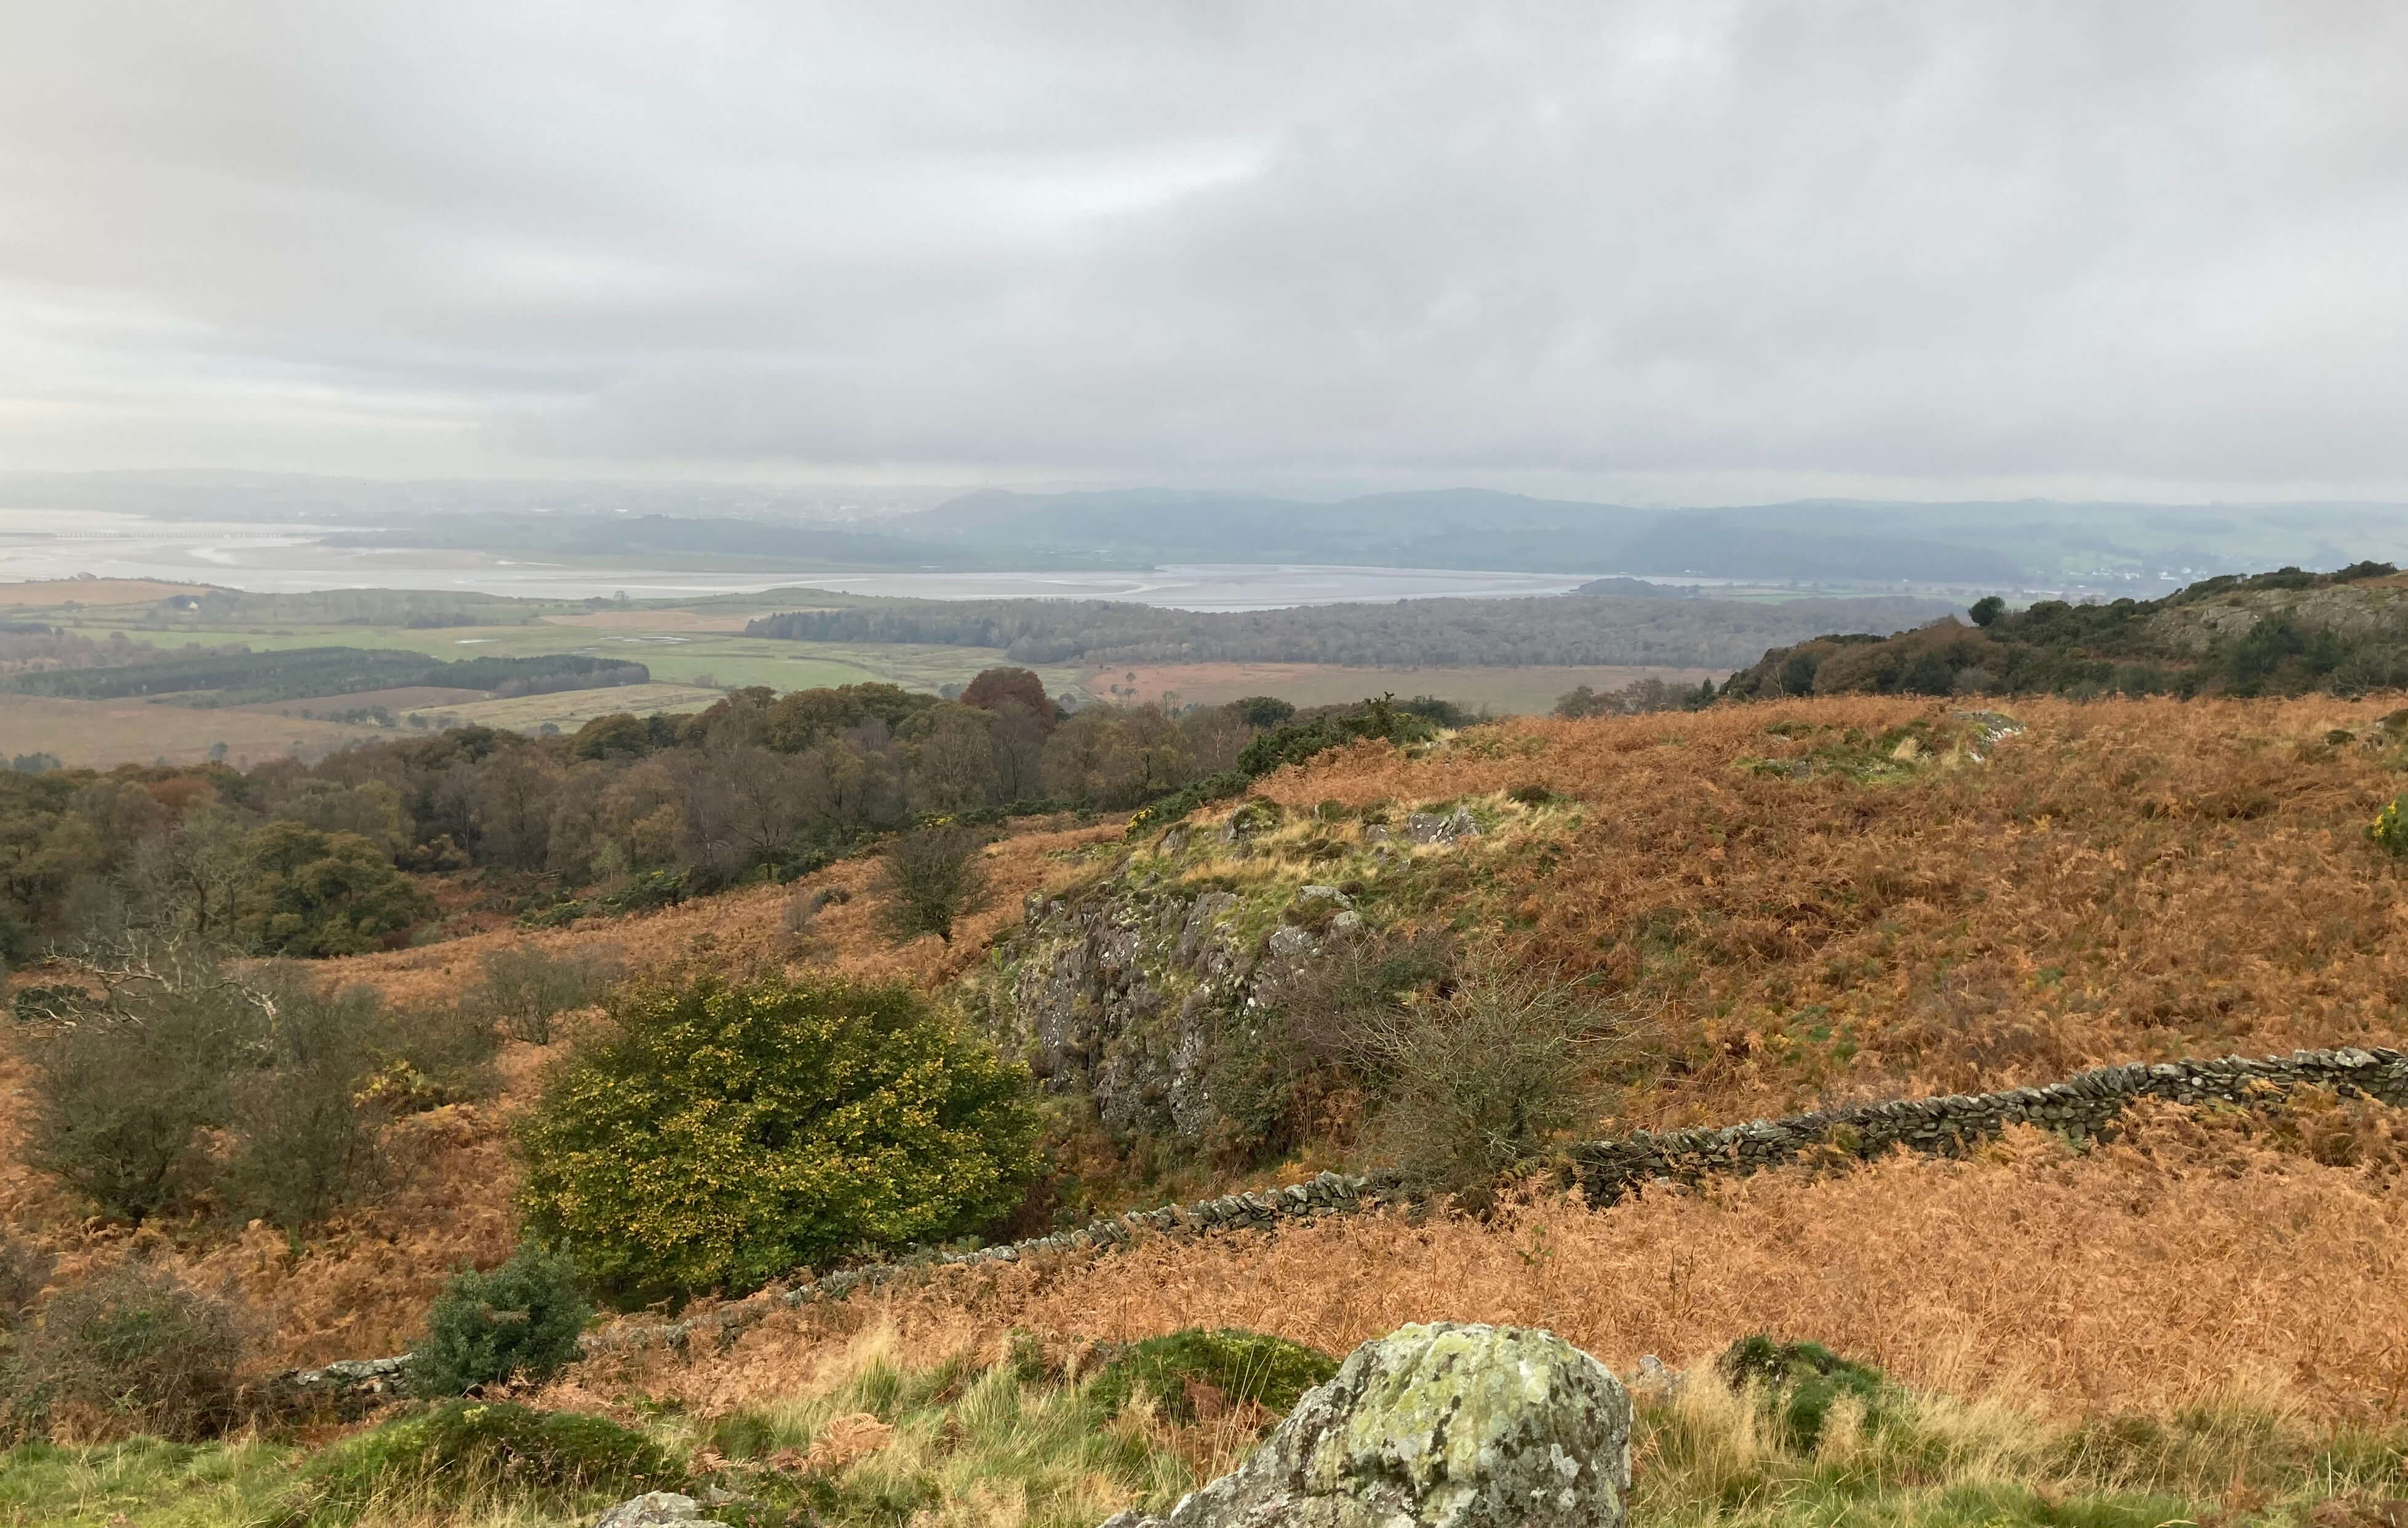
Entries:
{"x":131,"y":1351}
{"x":723,"y":1135}
{"x":1386,"y":719}
{"x":521,"y":1319}
{"x":2389,"y":828}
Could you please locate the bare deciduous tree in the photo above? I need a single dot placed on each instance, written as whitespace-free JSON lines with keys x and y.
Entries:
{"x":932,"y":877}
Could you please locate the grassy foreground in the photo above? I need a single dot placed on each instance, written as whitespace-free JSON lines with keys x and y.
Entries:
{"x":1014,"y":1441}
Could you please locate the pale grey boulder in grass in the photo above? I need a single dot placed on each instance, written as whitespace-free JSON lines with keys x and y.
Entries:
{"x":1436,"y":1426}
{"x":658,"y":1510}
{"x":1430,"y":827}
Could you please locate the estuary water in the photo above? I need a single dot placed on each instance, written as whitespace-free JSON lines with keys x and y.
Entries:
{"x":293,"y":559}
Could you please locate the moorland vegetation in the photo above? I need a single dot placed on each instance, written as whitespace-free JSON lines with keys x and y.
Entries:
{"x":1383,"y":937}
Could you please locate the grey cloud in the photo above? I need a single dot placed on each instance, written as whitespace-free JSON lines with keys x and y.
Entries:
{"x":1675,"y":243}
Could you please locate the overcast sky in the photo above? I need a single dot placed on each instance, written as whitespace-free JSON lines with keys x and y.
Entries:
{"x":1689,"y":252}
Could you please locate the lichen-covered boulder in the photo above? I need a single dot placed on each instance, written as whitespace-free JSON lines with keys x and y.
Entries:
{"x":1436,"y":1426}
{"x":658,"y":1510}
{"x":1430,"y":827}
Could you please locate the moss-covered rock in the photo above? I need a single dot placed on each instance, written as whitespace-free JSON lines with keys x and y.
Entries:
{"x":1240,"y":1366}
{"x":1798,"y":1383}
{"x":446,"y":1454}
{"x":1439,"y":1426}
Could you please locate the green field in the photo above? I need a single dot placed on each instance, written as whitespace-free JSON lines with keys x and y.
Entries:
{"x":723,"y":659}
{"x":694,"y":650}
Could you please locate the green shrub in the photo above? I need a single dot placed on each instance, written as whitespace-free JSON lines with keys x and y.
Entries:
{"x":1385,"y":718}
{"x":521,"y":1319}
{"x":1274,"y":1095}
{"x":1179,"y":803}
{"x":133,"y":1351}
{"x":446,"y":1454}
{"x":1797,"y":1383}
{"x":429,"y":1056}
{"x":47,"y":1003}
{"x":1255,"y":814}
{"x":1271,"y":1371}
{"x":743,"y":1435}
{"x":721,"y":1136}
{"x":306,"y":1130}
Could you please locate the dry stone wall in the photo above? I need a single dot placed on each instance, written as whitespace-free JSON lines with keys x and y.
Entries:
{"x":2081,"y":1107}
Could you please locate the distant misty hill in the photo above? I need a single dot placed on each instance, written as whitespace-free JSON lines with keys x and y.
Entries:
{"x":1602,"y":630}
{"x":2001,"y":545}
{"x":2004,"y":546}
{"x":670,"y":539}
{"x":1457,"y":528}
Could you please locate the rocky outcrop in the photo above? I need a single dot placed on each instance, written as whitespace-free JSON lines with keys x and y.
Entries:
{"x":1436,"y":1426}
{"x":1127,"y":994}
{"x":1122,"y":995}
{"x":2356,"y":611}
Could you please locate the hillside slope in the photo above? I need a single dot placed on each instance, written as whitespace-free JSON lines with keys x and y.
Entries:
{"x":2282,"y":633}
{"x":1813,"y":911}
{"x":1820,"y":916}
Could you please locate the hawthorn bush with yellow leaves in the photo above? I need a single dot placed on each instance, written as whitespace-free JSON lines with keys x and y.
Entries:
{"x":718,"y":1136}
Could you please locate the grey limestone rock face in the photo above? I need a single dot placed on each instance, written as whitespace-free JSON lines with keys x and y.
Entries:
{"x":1436,"y":1426}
